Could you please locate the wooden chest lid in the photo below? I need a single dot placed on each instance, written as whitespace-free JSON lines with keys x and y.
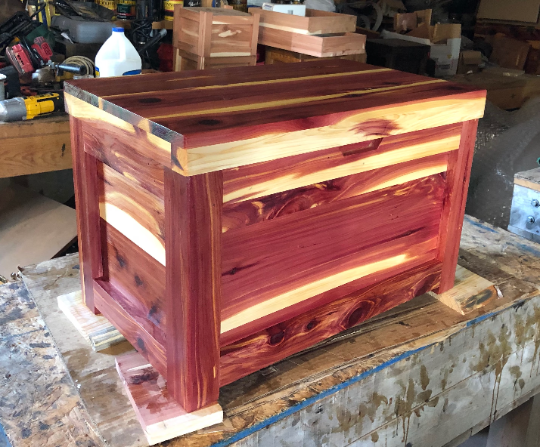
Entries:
{"x":223,"y":118}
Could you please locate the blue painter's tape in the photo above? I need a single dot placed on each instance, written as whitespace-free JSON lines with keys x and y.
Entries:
{"x":276,"y":418}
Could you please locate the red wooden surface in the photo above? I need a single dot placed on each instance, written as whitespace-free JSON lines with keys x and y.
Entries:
{"x":86,"y":198}
{"x":138,"y":276}
{"x":459,"y":171}
{"x":290,"y":336}
{"x":193,"y":208}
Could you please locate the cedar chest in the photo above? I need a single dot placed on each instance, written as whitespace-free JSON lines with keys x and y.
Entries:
{"x":231,"y":218}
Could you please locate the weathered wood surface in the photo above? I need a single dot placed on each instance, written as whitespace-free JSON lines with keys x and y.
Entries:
{"x":419,"y":374}
{"x":34,"y":146}
{"x":40,"y":404}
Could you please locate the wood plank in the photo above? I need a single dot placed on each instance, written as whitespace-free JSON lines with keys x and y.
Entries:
{"x":272,"y":344}
{"x":265,"y":274}
{"x":133,"y":211}
{"x":121,"y":154}
{"x":86,"y":199}
{"x":33,"y":228}
{"x":109,"y":302}
{"x":314,"y":45}
{"x":470,"y":291}
{"x":99,"y":332}
{"x":147,"y":391}
{"x":193,"y":227}
{"x":263,"y":179}
{"x":175,"y":81}
{"x":237,"y":215}
{"x":314,"y":22}
{"x":139,"y":277}
{"x":203,"y":100}
{"x":204,"y":151}
{"x":459,"y":172}
{"x":34,"y":146}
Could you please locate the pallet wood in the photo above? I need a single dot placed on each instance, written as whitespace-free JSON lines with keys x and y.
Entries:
{"x":292,"y":400}
{"x":35,"y":146}
{"x":95,"y":328}
{"x":234,"y":291}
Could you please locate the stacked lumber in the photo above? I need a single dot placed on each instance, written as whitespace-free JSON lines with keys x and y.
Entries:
{"x":213,"y":38}
{"x":319,"y":33}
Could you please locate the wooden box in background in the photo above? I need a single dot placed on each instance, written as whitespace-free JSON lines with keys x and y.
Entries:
{"x":214,"y":37}
{"x":279,"y":56}
{"x":230,"y":220}
{"x":319,"y":34}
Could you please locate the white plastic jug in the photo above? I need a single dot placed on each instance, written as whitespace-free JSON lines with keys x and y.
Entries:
{"x":117,"y":56}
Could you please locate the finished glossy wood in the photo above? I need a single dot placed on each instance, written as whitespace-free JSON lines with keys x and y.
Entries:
{"x":230,"y":218}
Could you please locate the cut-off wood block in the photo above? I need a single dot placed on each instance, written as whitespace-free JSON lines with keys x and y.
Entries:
{"x":95,"y":328}
{"x":470,"y":292}
{"x":160,"y":416}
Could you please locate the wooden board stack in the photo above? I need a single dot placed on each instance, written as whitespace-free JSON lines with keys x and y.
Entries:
{"x":230,"y":220}
{"x":319,"y":33}
{"x":214,"y":38}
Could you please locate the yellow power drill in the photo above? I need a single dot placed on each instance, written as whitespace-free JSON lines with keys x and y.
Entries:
{"x":28,"y":107}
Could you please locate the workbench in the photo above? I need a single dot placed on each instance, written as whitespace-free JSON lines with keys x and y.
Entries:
{"x":418,"y":375}
{"x":35,"y":146}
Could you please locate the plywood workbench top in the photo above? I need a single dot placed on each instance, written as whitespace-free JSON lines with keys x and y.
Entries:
{"x":218,"y":119}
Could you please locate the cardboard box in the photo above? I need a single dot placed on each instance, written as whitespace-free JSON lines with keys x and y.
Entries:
{"x":296,"y":10}
{"x":509,"y":53}
{"x":469,"y":62}
{"x":445,"y":42}
{"x":515,"y":10}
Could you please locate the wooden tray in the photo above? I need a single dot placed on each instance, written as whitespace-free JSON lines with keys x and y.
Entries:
{"x":319,"y":46}
{"x":315,"y":22}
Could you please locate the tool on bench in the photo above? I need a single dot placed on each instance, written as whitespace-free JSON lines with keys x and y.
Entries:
{"x":28,"y":107}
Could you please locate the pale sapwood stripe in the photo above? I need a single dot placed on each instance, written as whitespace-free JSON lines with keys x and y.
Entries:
{"x":245,"y":84}
{"x":310,"y":290}
{"x":401,"y":118}
{"x":292,"y":101}
{"x":133,"y":230}
{"x":230,"y":54}
{"x":292,"y":181}
{"x":289,"y":29}
{"x":85,"y":111}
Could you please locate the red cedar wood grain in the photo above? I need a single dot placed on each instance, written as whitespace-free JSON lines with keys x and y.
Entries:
{"x":213,"y":128}
{"x":107,"y":300}
{"x":111,"y":89}
{"x":127,"y":155}
{"x":290,"y":336}
{"x":193,"y":207}
{"x":203,"y":99}
{"x":138,"y":276}
{"x":143,"y":206}
{"x":237,"y":215}
{"x":264,"y":260}
{"x":247,"y":176}
{"x":458,"y":175}
{"x":86,"y":198}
